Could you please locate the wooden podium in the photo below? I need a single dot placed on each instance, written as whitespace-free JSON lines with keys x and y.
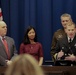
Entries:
{"x":59,"y":70}
{"x":52,"y":70}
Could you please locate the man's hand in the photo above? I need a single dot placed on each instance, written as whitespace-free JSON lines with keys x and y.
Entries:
{"x":8,"y":62}
{"x":71,"y":58}
{"x":60,"y":54}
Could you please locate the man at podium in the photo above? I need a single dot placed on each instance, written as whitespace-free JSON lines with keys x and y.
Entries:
{"x":66,"y":47}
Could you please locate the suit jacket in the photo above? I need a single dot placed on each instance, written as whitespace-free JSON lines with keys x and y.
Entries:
{"x":64,"y":45}
{"x":12,"y":50}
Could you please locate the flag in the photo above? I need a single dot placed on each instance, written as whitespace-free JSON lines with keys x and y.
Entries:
{"x":1,"y":17}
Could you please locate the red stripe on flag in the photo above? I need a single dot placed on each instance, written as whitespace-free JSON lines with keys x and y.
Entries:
{"x":0,"y":14}
{"x":1,"y":17}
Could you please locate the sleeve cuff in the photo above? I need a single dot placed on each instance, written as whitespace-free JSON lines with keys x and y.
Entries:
{"x":55,"y":55}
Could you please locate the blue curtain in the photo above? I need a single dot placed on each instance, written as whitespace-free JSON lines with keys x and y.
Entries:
{"x":44,"y":15}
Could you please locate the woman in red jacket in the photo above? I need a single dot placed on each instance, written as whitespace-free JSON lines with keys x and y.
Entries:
{"x":31,"y":46}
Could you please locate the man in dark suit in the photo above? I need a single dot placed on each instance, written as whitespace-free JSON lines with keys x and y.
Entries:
{"x":60,"y":33}
{"x":66,"y":47}
{"x":8,"y":51}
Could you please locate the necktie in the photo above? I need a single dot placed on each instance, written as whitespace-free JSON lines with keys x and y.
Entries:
{"x":70,"y":40}
{"x":6,"y":47}
{"x":70,"y":43}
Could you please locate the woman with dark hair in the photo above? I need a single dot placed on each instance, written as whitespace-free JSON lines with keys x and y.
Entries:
{"x":31,"y":46}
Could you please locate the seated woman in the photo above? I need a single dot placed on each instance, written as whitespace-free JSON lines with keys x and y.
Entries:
{"x":31,"y":46}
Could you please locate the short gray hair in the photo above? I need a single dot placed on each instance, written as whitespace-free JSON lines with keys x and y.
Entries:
{"x":66,"y":15}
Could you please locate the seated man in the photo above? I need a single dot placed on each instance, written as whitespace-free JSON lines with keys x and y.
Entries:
{"x":66,"y":47}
